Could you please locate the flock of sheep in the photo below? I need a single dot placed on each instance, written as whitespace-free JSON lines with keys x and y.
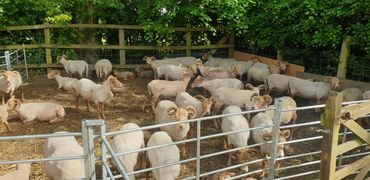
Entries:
{"x":216,"y":75}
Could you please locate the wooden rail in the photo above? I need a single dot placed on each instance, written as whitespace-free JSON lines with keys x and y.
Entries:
{"x":121,"y":46}
{"x":334,"y":117}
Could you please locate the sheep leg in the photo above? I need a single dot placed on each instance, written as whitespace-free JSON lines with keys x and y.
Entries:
{"x":28,"y":120}
{"x":99,"y":110}
{"x":294,"y":118}
{"x":22,"y":94}
{"x":183,"y":149}
{"x":87,"y":105}
{"x":56,"y":119}
{"x":77,"y":98}
{"x":7,"y":126}
{"x":154,"y":100}
{"x":102,"y":110}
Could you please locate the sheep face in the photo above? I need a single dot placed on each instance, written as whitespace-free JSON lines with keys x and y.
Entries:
{"x":206,"y":104}
{"x":260,"y":102}
{"x":197,"y":82}
{"x":114,"y":82}
{"x":53,"y":73}
{"x":62,"y":59}
{"x":13,"y":103}
{"x":283,"y":135}
{"x":223,"y":175}
{"x":333,"y":81}
{"x":148,"y":59}
{"x":247,"y":155}
{"x":181,"y":114}
{"x":237,"y":69}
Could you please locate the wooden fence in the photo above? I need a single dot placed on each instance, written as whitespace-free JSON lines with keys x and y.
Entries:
{"x":334,"y":117}
{"x":225,"y":42}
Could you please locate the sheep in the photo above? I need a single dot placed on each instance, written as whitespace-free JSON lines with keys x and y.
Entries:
{"x":74,"y":66}
{"x":163,"y":155}
{"x":99,"y":94}
{"x":22,"y":173}
{"x":366,"y":95}
{"x":157,"y":88}
{"x":351,"y":94}
{"x":128,"y":142}
{"x":278,"y":83}
{"x":265,"y":134}
{"x":214,"y":84}
{"x":220,"y":72}
{"x":125,"y":75}
{"x":223,"y":175}
{"x":154,"y":63}
{"x":65,"y":83}
{"x":103,"y":68}
{"x":234,"y":123}
{"x":4,"y":114}
{"x":173,"y":72}
{"x":61,"y":147}
{"x":142,"y":73}
{"x":289,"y":116}
{"x":42,"y":111}
{"x":307,"y":89}
{"x":167,"y":111}
{"x":10,"y":81}
{"x":259,"y":71}
{"x":248,"y":155}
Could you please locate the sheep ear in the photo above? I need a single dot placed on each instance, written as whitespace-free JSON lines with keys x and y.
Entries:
{"x":200,"y":97}
{"x":248,"y":86}
{"x":267,"y":137}
{"x":154,"y":58}
{"x":253,"y":95}
{"x":192,"y":113}
{"x":285,"y":134}
{"x":144,"y":58}
{"x":171,"y":111}
{"x":267,"y":99}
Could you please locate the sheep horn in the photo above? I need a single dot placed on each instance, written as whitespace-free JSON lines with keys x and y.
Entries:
{"x":200,"y":96}
{"x":248,"y":86}
{"x":144,"y":58}
{"x":3,"y":102}
{"x":169,"y":113}
{"x":253,"y":95}
{"x":262,"y":86}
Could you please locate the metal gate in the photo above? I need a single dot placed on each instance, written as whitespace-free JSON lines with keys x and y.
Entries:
{"x":15,"y":61}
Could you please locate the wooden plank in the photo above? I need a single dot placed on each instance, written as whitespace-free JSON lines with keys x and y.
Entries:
{"x":220,"y":42}
{"x":188,"y":41}
{"x":349,"y":145}
{"x":106,"y":26}
{"x":43,"y":66}
{"x":358,"y":130}
{"x":18,"y":46}
{"x":353,"y":167}
{"x":47,"y":42}
{"x":231,"y":49}
{"x":363,"y":172}
{"x":330,"y":139}
{"x":344,"y":55}
{"x":355,"y":111}
{"x":292,"y":69}
{"x":122,"y":52}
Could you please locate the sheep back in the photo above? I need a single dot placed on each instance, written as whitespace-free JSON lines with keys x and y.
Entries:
{"x":235,"y":123}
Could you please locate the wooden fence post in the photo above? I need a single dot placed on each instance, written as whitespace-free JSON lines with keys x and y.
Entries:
{"x":122,"y":52}
{"x":343,"y":59}
{"x":188,"y":40}
{"x":329,"y":121}
{"x":231,"y":41}
{"x":47,"y":49}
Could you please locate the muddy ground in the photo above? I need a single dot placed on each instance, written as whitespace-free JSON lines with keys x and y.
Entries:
{"x":124,"y":109}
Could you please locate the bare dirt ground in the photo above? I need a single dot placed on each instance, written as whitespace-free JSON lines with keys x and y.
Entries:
{"x":124,"y":109}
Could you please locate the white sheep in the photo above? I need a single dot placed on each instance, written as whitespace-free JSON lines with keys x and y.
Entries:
{"x":4,"y":114}
{"x":128,"y":142}
{"x":173,"y":72}
{"x":234,"y":123}
{"x":265,"y":134}
{"x":278,"y":83}
{"x":103,"y":68}
{"x":307,"y":89}
{"x":366,"y":95}
{"x":99,"y":94}
{"x":166,"y":112}
{"x":351,"y":94}
{"x":74,"y":66}
{"x":202,"y":105}
{"x":65,"y":169}
{"x":154,"y":63}
{"x":220,"y":72}
{"x":289,"y":116}
{"x":223,"y":175}
{"x":163,"y":155}
{"x":214,"y":84}
{"x":157,"y":88}
{"x":10,"y":81}
{"x":124,"y":75}
{"x":41,"y":111}
{"x":22,"y":173}
{"x":142,"y":73}
{"x":259,"y":71}
{"x":65,"y":83}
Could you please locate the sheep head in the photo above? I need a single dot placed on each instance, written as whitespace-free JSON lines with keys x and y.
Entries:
{"x":206,"y":104}
{"x":247,"y":155}
{"x":260,"y":102}
{"x":61,"y":59}
{"x":333,"y":82}
{"x":53,"y":73}
{"x":283,"y":136}
{"x":237,"y":69}
{"x":248,"y":87}
{"x":114,"y":82}
{"x":282,"y":65}
{"x":13,"y":103}
{"x":148,"y":59}
{"x":206,"y":56}
{"x":254,"y":59}
{"x":181,"y":114}
{"x":197,"y":82}
{"x":223,"y":175}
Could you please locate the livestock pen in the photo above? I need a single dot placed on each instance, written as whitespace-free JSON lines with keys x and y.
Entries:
{"x":205,"y":158}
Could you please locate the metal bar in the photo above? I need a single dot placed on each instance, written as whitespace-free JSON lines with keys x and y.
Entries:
{"x":161,"y":166}
{"x":231,"y":150}
{"x":85,"y":143}
{"x":115,"y":159}
{"x":106,"y":168}
{"x":7,"y":61}
{"x":299,"y":165}
{"x":343,"y":141}
{"x":90,"y":132}
{"x":25,"y":60}
{"x":198,"y":149}
{"x":233,"y":132}
{"x":298,"y":155}
{"x":298,"y":175}
{"x":104,"y":155}
{"x":300,"y":125}
{"x":39,"y":136}
{"x":275,"y":137}
{"x":42,"y":160}
{"x":247,"y":174}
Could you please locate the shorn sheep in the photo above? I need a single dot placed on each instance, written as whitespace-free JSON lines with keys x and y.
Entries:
{"x":65,"y":83}
{"x":99,"y":94}
{"x":143,"y":73}
{"x":214,"y":84}
{"x":167,"y":111}
{"x":61,"y":147}
{"x":157,"y":88}
{"x":170,"y":71}
{"x":351,"y":94}
{"x":124,"y":75}
{"x":74,"y":66}
{"x":259,"y":71}
{"x":41,"y":111}
{"x":10,"y":81}
{"x":128,"y":142}
{"x":22,"y":173}
{"x":162,"y":156}
{"x":366,"y":95}
{"x":103,"y":68}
